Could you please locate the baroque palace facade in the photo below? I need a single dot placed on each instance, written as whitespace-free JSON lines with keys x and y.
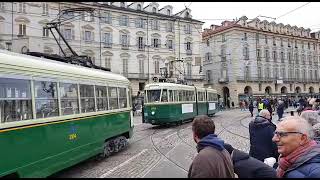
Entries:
{"x":140,"y":42}
{"x":259,"y":58}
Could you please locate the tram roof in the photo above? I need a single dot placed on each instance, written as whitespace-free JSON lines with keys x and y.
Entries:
{"x":168,"y":85}
{"x":22,"y":62}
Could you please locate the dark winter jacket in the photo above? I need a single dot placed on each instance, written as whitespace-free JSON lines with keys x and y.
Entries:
{"x":280,"y":108}
{"x":251,"y":107}
{"x":261,"y":133}
{"x":307,"y":166}
{"x":212,"y":160}
{"x":249,"y":167}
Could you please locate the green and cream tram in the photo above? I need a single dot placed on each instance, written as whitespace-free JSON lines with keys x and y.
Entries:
{"x":54,"y":115}
{"x":167,"y":103}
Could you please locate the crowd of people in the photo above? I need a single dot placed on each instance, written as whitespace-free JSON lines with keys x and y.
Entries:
{"x":289,"y":149}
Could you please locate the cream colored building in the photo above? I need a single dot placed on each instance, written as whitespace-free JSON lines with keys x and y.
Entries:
{"x":260,"y":58}
{"x":136,"y":40}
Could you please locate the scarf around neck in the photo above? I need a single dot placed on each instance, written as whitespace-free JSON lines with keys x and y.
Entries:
{"x":289,"y":161}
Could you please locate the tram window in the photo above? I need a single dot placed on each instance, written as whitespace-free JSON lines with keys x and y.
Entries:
{"x":153,"y":95}
{"x":122,"y":97}
{"x":46,"y":99}
{"x":164,"y":97}
{"x":171,"y":95}
{"x":87,"y":98}
{"x":15,"y":100}
{"x":113,"y":98}
{"x":200,"y":96}
{"x":191,"y":95}
{"x":181,"y":97}
{"x":176,"y":96}
{"x":69,"y":98}
{"x":101,"y":95}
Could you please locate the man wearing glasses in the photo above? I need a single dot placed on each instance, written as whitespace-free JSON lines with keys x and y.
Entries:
{"x":299,"y":153}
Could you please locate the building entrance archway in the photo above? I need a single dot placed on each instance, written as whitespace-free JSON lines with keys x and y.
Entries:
{"x":226,"y":96}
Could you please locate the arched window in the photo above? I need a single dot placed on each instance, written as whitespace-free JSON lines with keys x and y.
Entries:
{"x":139,"y":7}
{"x":122,"y":4}
{"x":187,"y":14}
{"x":168,"y":12}
{"x":154,"y":10}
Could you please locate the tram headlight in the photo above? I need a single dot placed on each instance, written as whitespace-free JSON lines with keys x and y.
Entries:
{"x":152,"y":112}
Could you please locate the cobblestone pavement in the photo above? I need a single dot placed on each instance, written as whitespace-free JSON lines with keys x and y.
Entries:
{"x":155,"y":151}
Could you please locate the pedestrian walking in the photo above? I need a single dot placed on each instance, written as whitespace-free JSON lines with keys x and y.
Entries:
{"x":280,"y":109}
{"x":251,"y":107}
{"x":260,"y":106}
{"x":212,"y":160}
{"x":261,"y":132}
{"x":299,"y":153}
{"x":246,"y":166}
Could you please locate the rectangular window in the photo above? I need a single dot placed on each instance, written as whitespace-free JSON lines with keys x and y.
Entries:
{"x":245,"y":38}
{"x":88,"y":17}
{"x":123,"y":97}
{"x":125,"y":67}
{"x":281,"y":42}
{"x":259,"y":72}
{"x":87,"y":98}
{"x":274,"y":41}
{"x":170,"y":44}
{"x":2,"y":6}
{"x":46,"y":99}
{"x":124,"y":40}
{"x":188,"y":29}
{"x":123,"y":20}
{"x":67,"y":34}
{"x":156,"y":67}
{"x":88,"y":36}
{"x":266,"y":39}
{"x":113,"y":98}
{"x":155,"y":43}
{"x":188,"y":45}
{"x":45,"y":32}
{"x":102,"y":98}
{"x":69,"y":98}
{"x":106,"y":17}
{"x":155,"y":24}
{"x":22,"y":7}
{"x":258,"y":55}
{"x":267,"y":55}
{"x":274,"y":55}
{"x":223,"y":37}
{"x":15,"y":100}
{"x":257,"y":37}
{"x":139,"y":23}
{"x":45,"y":8}
{"x":22,"y":29}
{"x":141,"y":66}
{"x":282,"y":57}
{"x":283,"y":73}
{"x":108,"y":62}
{"x":140,"y":43}
{"x":170,"y":26}
{"x":107,"y":40}
{"x":246,"y":53}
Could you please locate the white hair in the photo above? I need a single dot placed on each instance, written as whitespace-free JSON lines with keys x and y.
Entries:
{"x":264,"y":113}
{"x":301,"y":125}
{"x":311,"y":116}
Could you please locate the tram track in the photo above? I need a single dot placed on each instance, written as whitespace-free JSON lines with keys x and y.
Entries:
{"x":225,"y":128}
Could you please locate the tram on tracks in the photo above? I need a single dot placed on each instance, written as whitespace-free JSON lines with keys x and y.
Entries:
{"x":54,"y":114}
{"x":167,"y":103}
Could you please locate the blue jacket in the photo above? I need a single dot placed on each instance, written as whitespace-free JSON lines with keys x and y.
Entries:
{"x":307,"y":166}
{"x":261,"y":133}
{"x":210,"y":140}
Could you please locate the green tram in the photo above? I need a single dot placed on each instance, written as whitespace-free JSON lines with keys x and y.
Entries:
{"x":54,"y":114}
{"x":167,"y":103}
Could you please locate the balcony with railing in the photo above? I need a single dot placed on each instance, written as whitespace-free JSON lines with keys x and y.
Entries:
{"x":189,"y":52}
{"x":124,"y":46}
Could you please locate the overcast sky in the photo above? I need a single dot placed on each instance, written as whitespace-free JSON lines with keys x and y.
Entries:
{"x":307,"y":16}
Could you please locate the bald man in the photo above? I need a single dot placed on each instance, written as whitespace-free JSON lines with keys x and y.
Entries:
{"x":299,"y":153}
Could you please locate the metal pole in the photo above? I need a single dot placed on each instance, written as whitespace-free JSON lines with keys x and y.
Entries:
{"x":100,"y":35}
{"x":148,"y":49}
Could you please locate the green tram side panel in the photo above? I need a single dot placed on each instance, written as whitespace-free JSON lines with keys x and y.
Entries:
{"x":40,"y":151}
{"x":212,"y":108}
{"x":169,"y":112}
{"x":202,"y":108}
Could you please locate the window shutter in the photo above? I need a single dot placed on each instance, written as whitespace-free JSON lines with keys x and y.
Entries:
{"x":110,"y":39}
{"x":159,"y":43}
{"x":152,"y":42}
{"x":137,"y":39}
{"x":92,"y":35}
{"x":128,"y":39}
{"x":144,"y":42}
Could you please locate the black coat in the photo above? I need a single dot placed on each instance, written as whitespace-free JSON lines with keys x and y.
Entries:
{"x":261,"y":133}
{"x":249,"y":167}
{"x":280,"y":108}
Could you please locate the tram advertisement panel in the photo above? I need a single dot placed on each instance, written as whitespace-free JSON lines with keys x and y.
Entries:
{"x":186,"y":108}
{"x":212,"y":106}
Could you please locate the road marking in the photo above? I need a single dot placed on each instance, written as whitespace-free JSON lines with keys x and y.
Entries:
{"x":122,"y":164}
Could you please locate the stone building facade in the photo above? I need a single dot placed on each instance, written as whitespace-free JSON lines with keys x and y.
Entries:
{"x":259,"y":58}
{"x":140,"y":42}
